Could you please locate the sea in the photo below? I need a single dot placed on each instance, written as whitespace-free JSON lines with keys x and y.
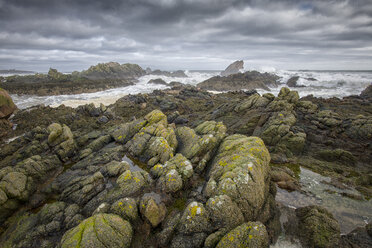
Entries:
{"x":319,"y":83}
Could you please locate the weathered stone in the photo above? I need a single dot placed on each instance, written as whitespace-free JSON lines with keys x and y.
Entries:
{"x":240,"y":170}
{"x":102,"y":230}
{"x":153,"y":212}
{"x":131,"y":182}
{"x":125,"y":208}
{"x":317,"y":227}
{"x":250,"y":235}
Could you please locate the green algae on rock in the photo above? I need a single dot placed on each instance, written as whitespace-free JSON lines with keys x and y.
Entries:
{"x":102,"y":230}
{"x":240,"y":170}
{"x":247,"y":235}
{"x":318,"y":228}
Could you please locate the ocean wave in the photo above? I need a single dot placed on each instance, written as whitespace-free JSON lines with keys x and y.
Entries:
{"x":324,"y":84}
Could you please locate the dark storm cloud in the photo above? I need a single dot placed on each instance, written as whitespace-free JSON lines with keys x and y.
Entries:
{"x":170,"y":34}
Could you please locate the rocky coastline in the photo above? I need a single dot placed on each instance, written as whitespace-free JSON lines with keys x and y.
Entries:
{"x":97,"y":78}
{"x":181,"y":168}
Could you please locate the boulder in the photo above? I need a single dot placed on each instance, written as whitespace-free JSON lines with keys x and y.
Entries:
{"x":7,"y":106}
{"x":198,"y":145}
{"x":250,"y":235}
{"x":233,"y":68}
{"x":155,"y":142}
{"x":240,"y":170}
{"x":62,"y":140}
{"x":152,"y":211}
{"x":101,"y":231}
{"x":131,"y":182}
{"x":126,"y":208}
{"x":195,"y":219}
{"x":173,"y":174}
{"x":318,"y":227}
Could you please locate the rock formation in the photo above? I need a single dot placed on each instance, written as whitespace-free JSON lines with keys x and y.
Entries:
{"x":180,"y":168}
{"x":249,"y":80}
{"x":233,"y":68}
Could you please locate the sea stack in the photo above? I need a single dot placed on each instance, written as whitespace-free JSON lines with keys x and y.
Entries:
{"x":233,"y":68}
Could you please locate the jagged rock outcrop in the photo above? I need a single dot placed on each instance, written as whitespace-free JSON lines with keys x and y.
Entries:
{"x":220,"y":178}
{"x":249,"y":80}
{"x":233,"y":68}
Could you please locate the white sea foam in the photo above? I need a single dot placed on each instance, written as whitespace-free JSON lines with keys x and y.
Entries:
{"x":328,"y":84}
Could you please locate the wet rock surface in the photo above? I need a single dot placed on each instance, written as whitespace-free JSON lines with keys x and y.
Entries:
{"x":249,"y":80}
{"x":168,"y":183}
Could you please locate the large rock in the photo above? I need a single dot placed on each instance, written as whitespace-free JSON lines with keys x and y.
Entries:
{"x":101,"y":231}
{"x":317,"y":227}
{"x":198,"y":145}
{"x":233,"y":68}
{"x":174,"y":174}
{"x":249,"y":235}
{"x":152,"y":211}
{"x":240,"y":170}
{"x":7,"y":105}
{"x":62,"y":140}
{"x":249,"y":80}
{"x":155,"y":142}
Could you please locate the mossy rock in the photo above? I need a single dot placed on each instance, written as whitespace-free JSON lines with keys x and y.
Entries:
{"x":99,"y":231}
{"x":131,"y":182}
{"x":240,"y":170}
{"x":318,"y":227}
{"x":337,"y":155}
{"x":247,"y":235}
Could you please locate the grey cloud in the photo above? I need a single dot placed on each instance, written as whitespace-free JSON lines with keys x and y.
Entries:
{"x":186,"y":34}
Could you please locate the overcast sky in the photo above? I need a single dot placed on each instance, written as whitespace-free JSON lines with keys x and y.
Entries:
{"x":186,"y":34}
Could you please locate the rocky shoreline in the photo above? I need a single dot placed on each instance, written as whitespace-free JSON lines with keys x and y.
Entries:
{"x":181,"y":168}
